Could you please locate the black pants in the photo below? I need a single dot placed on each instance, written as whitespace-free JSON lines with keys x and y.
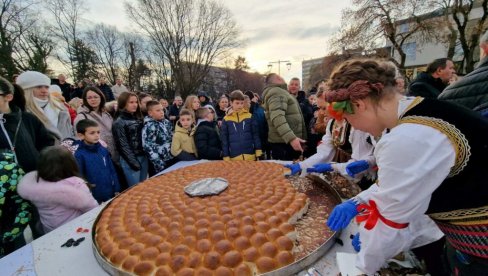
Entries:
{"x":433,"y":256}
{"x":282,"y":151}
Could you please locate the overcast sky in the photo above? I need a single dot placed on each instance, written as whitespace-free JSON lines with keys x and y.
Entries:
{"x":273,"y":30}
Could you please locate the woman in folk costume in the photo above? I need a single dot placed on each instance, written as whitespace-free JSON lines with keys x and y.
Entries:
{"x":430,"y":163}
{"x":343,"y":149}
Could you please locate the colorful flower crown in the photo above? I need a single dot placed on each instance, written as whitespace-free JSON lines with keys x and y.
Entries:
{"x":336,"y":109}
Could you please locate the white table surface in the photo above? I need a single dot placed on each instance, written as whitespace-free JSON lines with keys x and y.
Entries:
{"x":45,"y":256}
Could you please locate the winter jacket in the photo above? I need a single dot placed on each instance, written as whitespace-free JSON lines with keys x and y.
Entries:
{"x":156,"y":141}
{"x":220,"y":114}
{"x":66,"y":88}
{"x":207,"y":141}
{"x":470,"y":91}
{"x":127,"y":132}
{"x":183,"y":141}
{"x":57,"y":202}
{"x":426,"y":86}
{"x":240,"y":137}
{"x":97,"y":168}
{"x":107,"y":92}
{"x":105,"y":122}
{"x":32,"y":137}
{"x":174,"y":110}
{"x":77,"y":92}
{"x":15,"y":212}
{"x":259,"y":116}
{"x":283,"y":114}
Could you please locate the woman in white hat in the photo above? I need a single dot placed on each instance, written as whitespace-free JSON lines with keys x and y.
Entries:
{"x":38,"y":102}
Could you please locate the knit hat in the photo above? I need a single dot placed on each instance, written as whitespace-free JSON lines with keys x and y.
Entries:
{"x":30,"y":79}
{"x":54,"y":88}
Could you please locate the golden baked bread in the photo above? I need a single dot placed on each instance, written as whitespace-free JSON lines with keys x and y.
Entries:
{"x":157,"y":229}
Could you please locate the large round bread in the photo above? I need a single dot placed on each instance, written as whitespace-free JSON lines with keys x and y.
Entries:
{"x":157,"y":229}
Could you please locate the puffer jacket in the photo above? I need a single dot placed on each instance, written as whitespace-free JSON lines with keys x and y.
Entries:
{"x":283,"y":114}
{"x":183,"y":141}
{"x":105,"y":122}
{"x":97,"y":168}
{"x":207,"y":141}
{"x":240,"y":137}
{"x":156,"y":141}
{"x":472,"y":90}
{"x":127,"y":132}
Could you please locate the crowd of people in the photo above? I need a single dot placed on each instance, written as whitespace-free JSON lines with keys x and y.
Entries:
{"x":417,"y":159}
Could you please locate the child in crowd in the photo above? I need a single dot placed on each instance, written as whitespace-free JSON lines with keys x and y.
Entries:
{"x":94,"y":161}
{"x":239,"y":132}
{"x":207,"y":138}
{"x":156,"y":136}
{"x":55,"y":188}
{"x":183,"y":145}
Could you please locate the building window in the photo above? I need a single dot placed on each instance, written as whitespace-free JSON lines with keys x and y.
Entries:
{"x":403,"y":28}
{"x":410,"y":50}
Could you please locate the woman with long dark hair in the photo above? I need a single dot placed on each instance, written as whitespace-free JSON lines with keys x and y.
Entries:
{"x":127,"y":132}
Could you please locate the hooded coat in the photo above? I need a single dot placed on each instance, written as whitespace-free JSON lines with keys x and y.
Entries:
{"x":183,"y":141}
{"x":240,"y":136}
{"x":426,"y":86}
{"x":57,"y":202}
{"x":97,"y":168}
{"x":156,"y":141}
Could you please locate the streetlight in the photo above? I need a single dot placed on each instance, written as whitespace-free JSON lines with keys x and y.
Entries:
{"x":279,"y":62}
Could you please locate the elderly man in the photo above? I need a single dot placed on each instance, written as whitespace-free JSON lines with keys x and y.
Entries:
{"x":118,"y":88}
{"x":431,"y":83}
{"x":174,"y":109}
{"x":472,"y":90}
{"x":287,"y":129}
{"x":65,"y":87}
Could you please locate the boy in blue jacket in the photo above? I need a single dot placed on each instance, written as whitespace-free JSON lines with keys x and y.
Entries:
{"x":94,"y":161}
{"x":156,"y":136}
{"x":239,"y":132}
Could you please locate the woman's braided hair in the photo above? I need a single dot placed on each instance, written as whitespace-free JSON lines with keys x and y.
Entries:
{"x":360,"y":78}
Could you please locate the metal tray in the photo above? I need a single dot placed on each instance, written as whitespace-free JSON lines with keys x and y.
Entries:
{"x":290,"y":269}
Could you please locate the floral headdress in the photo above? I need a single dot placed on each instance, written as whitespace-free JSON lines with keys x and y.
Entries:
{"x":340,"y":99}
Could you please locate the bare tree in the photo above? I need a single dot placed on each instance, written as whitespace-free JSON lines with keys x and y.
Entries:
{"x":78,"y":55}
{"x":15,"y":19}
{"x":371,"y":22}
{"x":133,"y":50}
{"x":108,"y":45}
{"x":33,"y":48}
{"x":190,"y":34}
{"x":465,"y":29}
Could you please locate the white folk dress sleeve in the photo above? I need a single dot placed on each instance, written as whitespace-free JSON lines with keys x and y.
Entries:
{"x":361,"y":150}
{"x":413,"y":161}
{"x":325,"y":151}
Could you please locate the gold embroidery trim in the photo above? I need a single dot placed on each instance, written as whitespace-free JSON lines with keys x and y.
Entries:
{"x":458,"y":140}
{"x":413,"y":104}
{"x":463,"y":216}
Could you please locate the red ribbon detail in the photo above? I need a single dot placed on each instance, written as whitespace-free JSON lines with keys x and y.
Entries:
{"x":370,"y":214}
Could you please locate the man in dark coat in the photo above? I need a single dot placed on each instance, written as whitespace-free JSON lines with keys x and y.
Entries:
{"x":65,"y":87}
{"x":107,"y":91}
{"x":431,"y":83}
{"x":472,"y":90}
{"x":174,"y":110}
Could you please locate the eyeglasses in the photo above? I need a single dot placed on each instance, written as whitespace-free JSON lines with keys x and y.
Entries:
{"x":92,"y":97}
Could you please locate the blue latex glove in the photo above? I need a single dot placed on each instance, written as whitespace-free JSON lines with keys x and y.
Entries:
{"x":342,"y":215}
{"x":356,"y":167}
{"x":356,"y":242}
{"x":295,"y":168}
{"x":321,"y":168}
